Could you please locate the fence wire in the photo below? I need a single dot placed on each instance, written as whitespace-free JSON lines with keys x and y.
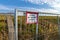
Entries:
{"x":48,"y":28}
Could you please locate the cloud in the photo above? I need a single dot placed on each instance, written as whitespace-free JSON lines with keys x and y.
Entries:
{"x":3,"y":7}
{"x":38,"y":10}
{"x":55,"y":4}
{"x":39,"y":1}
{"x":49,"y":2}
{"x":11,"y":9}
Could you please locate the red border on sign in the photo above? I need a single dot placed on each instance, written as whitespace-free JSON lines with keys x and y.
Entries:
{"x":32,"y":13}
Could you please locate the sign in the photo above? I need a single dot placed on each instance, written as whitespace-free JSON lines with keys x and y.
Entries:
{"x":31,"y":17}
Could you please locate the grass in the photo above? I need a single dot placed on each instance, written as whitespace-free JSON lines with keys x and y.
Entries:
{"x":3,"y":27}
{"x":47,"y":26}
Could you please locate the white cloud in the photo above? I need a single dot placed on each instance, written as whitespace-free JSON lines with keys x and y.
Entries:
{"x":3,"y":7}
{"x":53,"y":3}
{"x":38,"y":10}
{"x":39,"y":1}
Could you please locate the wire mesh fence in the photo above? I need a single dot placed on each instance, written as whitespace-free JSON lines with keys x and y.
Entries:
{"x":48,"y":28}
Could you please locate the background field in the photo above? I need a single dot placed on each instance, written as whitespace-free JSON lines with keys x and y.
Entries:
{"x":48,"y":28}
{"x":4,"y":27}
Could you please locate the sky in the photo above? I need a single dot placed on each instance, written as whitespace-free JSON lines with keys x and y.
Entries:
{"x":35,"y":5}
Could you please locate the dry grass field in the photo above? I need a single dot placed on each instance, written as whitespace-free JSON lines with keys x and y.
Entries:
{"x":4,"y":27}
{"x":47,"y":28}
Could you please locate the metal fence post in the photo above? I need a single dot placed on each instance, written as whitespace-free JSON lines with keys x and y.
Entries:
{"x":37,"y":31}
{"x":16,"y":27}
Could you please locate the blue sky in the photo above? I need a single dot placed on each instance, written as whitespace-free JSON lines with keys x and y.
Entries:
{"x":36,"y":5}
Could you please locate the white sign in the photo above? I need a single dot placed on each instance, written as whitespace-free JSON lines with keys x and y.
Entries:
{"x":32,"y":17}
